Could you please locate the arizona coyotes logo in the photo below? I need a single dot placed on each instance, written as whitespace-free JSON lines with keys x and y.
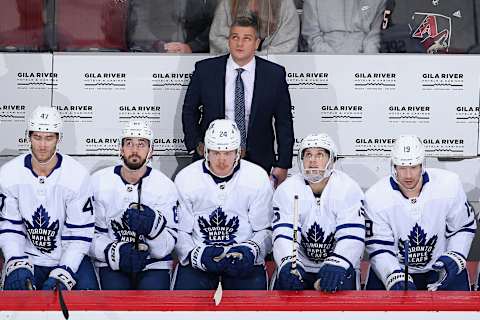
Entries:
{"x":317,"y":247}
{"x":42,"y":234}
{"x":421,"y":248}
{"x":217,"y":230}
{"x":434,"y":32}
{"x":122,"y":230}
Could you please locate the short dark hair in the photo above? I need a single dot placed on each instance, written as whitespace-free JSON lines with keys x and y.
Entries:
{"x":247,"y":21}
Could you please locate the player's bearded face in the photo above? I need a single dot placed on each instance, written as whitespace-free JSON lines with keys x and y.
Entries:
{"x":409,"y":177}
{"x":44,"y":145}
{"x":135,"y":152}
{"x":221,"y":162}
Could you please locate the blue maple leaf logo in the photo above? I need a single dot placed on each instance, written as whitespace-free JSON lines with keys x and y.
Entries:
{"x":421,"y":249}
{"x":317,"y":247}
{"x":42,"y":234}
{"x":217,"y":230}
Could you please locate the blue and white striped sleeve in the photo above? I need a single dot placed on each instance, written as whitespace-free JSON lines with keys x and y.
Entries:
{"x":12,"y":229}
{"x":461,"y":224}
{"x":380,"y":244}
{"x":78,"y":229}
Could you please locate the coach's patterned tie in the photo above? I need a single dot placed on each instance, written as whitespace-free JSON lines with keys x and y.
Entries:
{"x":240,"y":107}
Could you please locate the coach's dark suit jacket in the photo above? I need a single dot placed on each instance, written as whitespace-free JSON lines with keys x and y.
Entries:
{"x":271,"y":107}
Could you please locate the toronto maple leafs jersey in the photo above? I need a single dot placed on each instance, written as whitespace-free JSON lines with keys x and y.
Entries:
{"x":438,"y":220}
{"x":50,"y":219}
{"x":113,"y":196}
{"x":225,"y":212}
{"x":332,"y":222}
{"x":433,"y":26}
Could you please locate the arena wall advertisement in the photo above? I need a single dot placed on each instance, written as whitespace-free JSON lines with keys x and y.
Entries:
{"x":362,"y":101}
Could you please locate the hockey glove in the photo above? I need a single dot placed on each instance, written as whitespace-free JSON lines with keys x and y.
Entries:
{"x":208,"y":258}
{"x":124,"y":257}
{"x":18,"y":274}
{"x":145,"y":221}
{"x":288,"y":279}
{"x":241,"y":259}
{"x":332,"y":274}
{"x":63,"y":275}
{"x":448,"y":266}
{"x":396,"y":281}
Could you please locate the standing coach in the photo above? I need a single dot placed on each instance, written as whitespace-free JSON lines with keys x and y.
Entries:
{"x":249,"y":90}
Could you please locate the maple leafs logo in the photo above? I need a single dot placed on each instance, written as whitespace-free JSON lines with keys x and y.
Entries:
{"x":42,"y":234}
{"x":217,"y":230}
{"x":316,"y":246}
{"x":121,"y":229}
{"x":421,"y":249}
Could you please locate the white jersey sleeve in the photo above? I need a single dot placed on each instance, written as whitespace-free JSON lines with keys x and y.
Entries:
{"x":101,"y":237}
{"x":166,"y":202}
{"x":12,"y":229}
{"x":260,"y":217}
{"x":380,"y":238}
{"x":350,"y":220}
{"x":185,"y":242}
{"x":460,"y":221}
{"x":283,"y":199}
{"x":78,"y":230}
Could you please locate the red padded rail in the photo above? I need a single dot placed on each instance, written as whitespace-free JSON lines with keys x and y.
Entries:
{"x":242,"y":301}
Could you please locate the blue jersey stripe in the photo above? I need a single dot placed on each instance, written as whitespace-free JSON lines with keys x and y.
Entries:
{"x":285,"y":225}
{"x":350,"y":225}
{"x":383,"y":242}
{"x":99,"y":229}
{"x":12,"y":221}
{"x":78,"y":226}
{"x":75,"y":238}
{"x":281,"y":236}
{"x":351,"y":238}
{"x":12,"y":231}
{"x":373,"y":254}
{"x":462,"y":230}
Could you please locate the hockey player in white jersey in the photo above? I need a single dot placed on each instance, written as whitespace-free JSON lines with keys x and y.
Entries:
{"x":425,"y":210}
{"x":224,"y":217}
{"x":46,"y":213}
{"x":133,"y":244}
{"x":325,"y":206}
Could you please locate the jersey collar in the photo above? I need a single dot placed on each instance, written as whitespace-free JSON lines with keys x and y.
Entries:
{"x":395,"y":186}
{"x":117,"y":171}
{"x":27,"y":162}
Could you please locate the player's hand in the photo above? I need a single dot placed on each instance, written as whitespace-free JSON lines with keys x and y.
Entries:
{"x":448,"y":266}
{"x":396,"y":281}
{"x":124,"y":257}
{"x":62,"y":275}
{"x":240,"y":260}
{"x":18,"y":274}
{"x":144,"y":221}
{"x":333,"y":273}
{"x":209,"y":258}
{"x":288,"y":279}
